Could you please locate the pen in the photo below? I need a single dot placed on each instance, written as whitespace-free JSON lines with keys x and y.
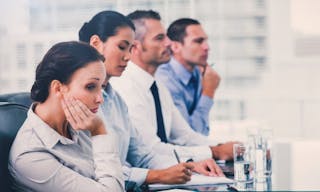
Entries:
{"x":231,"y":189}
{"x":176,"y":154}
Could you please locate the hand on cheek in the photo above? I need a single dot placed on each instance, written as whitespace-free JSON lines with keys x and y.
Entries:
{"x":80,"y":117}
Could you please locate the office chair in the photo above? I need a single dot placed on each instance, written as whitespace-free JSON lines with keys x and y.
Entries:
{"x":22,"y":98}
{"x":12,"y":116}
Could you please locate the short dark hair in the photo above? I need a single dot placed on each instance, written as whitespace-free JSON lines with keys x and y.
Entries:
{"x":177,"y":29}
{"x":60,"y":63}
{"x":144,"y":14}
{"x":104,"y":24}
{"x":138,"y":17}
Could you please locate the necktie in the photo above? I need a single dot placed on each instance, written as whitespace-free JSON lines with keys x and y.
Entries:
{"x":161,"y":132}
{"x":194,"y":83}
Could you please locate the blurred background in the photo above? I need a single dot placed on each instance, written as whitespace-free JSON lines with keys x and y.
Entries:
{"x":267,"y":53}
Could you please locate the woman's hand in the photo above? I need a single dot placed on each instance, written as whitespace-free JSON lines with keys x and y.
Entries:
{"x":81,"y":118}
{"x":180,"y":173}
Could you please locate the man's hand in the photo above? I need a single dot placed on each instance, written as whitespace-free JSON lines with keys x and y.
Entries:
{"x":210,"y":81}
{"x":223,"y":151}
{"x":208,"y":167}
{"x":177,"y":174}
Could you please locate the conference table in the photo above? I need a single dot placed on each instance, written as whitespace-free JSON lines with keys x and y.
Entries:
{"x":295,"y":167}
{"x":228,"y":170}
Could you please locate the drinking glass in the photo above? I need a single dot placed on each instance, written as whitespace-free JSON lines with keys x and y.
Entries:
{"x":243,"y":163}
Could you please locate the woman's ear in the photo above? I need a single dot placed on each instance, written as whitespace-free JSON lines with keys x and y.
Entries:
{"x":96,"y":42}
{"x":56,"y":88}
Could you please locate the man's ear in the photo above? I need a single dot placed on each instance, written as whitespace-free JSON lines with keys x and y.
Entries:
{"x":136,"y":45}
{"x":175,"y":46}
{"x":96,"y":42}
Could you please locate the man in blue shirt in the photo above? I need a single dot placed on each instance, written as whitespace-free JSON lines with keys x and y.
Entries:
{"x":191,"y":82}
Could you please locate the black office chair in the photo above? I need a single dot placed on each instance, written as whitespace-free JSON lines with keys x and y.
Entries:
{"x":12,"y":116}
{"x":22,"y":98}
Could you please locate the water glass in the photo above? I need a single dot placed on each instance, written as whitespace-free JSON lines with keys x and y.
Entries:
{"x":243,"y":164}
{"x":262,"y":156}
{"x":267,"y":135}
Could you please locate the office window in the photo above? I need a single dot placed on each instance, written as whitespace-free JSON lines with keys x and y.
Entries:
{"x":21,"y":52}
{"x":38,"y":49}
{"x":259,"y":22}
{"x":260,"y":3}
{"x":22,"y":84}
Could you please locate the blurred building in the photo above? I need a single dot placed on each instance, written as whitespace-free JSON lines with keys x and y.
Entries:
{"x":268,"y":70}
{"x":236,"y":29}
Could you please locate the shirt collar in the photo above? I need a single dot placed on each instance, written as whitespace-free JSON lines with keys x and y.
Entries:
{"x":182,"y":73}
{"x":47,"y":135}
{"x":108,"y":92}
{"x":143,"y":78}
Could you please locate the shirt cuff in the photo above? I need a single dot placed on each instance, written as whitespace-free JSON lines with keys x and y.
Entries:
{"x":205,"y":102}
{"x":138,"y":175}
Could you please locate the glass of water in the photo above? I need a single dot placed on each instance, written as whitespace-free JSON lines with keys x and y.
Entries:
{"x":267,"y":135}
{"x":243,"y":163}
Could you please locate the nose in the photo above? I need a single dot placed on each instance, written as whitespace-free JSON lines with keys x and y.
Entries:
{"x":205,"y":46}
{"x":167,"y":41}
{"x":99,"y":97}
{"x":126,"y":56}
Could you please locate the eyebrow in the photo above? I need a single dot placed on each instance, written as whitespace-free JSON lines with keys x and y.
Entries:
{"x":200,"y":38}
{"x":94,"y":78}
{"x":125,"y":41}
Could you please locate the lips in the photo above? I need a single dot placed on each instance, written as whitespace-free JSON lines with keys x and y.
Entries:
{"x":166,"y":52}
{"x":95,"y":110}
{"x":122,"y":67}
{"x":204,"y":57}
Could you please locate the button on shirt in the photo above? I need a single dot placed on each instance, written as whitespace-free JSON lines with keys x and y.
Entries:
{"x":42,"y":160}
{"x":131,"y":146}
{"x":178,"y":81}
{"x":134,"y":87}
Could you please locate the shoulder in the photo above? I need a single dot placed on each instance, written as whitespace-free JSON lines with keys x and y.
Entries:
{"x":164,"y":70}
{"x":29,"y":158}
{"x":25,"y":140}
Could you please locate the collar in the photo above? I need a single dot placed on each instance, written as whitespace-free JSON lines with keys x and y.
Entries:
{"x":141,"y":77}
{"x":181,"y":72}
{"x":108,"y":92}
{"x":46,"y":134}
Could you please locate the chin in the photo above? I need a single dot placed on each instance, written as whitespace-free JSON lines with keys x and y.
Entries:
{"x":117,"y":74}
{"x":165,"y":60}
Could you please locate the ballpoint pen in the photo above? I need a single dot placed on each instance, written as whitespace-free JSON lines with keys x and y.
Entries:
{"x":176,"y":154}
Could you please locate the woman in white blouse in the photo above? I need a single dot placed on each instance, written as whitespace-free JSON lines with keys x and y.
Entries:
{"x":63,"y":145}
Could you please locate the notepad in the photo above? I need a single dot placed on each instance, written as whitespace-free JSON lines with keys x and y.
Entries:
{"x":196,"y":179}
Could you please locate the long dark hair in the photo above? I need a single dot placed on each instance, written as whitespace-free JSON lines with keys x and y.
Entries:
{"x":104,"y":24}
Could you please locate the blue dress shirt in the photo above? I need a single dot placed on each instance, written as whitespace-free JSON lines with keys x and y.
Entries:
{"x":178,"y":81}
{"x":136,"y":157}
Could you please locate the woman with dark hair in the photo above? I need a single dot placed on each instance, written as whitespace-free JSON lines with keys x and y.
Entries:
{"x":112,"y":34}
{"x":63,"y":145}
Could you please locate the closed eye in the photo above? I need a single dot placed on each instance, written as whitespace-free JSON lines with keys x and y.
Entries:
{"x":91,"y":87}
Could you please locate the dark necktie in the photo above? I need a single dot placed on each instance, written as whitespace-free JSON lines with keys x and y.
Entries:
{"x":194,"y":83}
{"x":161,"y":132}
